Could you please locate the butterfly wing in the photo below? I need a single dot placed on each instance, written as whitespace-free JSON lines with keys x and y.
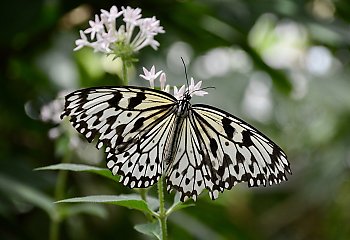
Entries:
{"x":219,"y":150}
{"x":132,"y":123}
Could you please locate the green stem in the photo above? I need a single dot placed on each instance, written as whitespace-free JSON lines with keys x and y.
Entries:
{"x":162,"y":210}
{"x":143,"y":194}
{"x":125,"y":72}
{"x":59,"y":194}
{"x":54,"y":228}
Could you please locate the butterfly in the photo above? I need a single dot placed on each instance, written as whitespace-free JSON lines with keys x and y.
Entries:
{"x":148,"y":133}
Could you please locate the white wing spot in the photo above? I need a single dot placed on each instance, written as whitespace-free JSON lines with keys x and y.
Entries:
{"x":99,"y":145}
{"x":110,"y":164}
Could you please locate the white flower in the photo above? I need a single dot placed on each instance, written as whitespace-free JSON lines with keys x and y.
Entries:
{"x":179,"y":94}
{"x":195,"y":89}
{"x":51,"y":112}
{"x":112,"y":15}
{"x":96,"y":27}
{"x":153,"y":43}
{"x":150,"y":75}
{"x":162,"y":80}
{"x":167,"y":88}
{"x":192,"y":89}
{"x":151,"y":26}
{"x":81,"y":42}
{"x":123,"y":40}
{"x":54,"y":132}
{"x":104,"y":40}
{"x":131,"y":15}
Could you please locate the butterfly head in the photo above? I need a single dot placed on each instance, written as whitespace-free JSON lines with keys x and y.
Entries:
{"x":187,"y":95}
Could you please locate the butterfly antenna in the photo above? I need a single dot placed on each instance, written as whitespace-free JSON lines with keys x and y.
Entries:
{"x":210,"y":87}
{"x":183,"y":62}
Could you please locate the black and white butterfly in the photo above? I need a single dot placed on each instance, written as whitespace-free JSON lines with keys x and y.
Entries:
{"x":148,"y":133}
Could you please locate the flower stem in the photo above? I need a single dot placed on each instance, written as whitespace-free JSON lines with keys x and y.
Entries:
{"x":125,"y":72}
{"x":59,"y":193}
{"x":54,"y":229}
{"x":162,"y":210}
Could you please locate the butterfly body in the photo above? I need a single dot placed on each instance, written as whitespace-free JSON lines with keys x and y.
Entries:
{"x":148,"y":133}
{"x":181,"y":111}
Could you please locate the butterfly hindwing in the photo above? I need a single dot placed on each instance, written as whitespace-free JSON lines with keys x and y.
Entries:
{"x":140,"y":164}
{"x":130,"y":122}
{"x":193,"y":170}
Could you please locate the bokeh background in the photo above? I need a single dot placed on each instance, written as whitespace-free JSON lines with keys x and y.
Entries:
{"x":281,"y":65}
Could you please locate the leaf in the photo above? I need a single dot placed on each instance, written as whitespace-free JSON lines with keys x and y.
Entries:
{"x":132,"y":201}
{"x":81,"y":168}
{"x":150,"y":229}
{"x":18,"y":190}
{"x":177,"y":205}
{"x":196,"y":227}
{"x":95,"y":210}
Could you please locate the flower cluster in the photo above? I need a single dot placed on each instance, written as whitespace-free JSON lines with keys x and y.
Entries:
{"x":51,"y":111}
{"x":123,"y":40}
{"x":192,"y":89}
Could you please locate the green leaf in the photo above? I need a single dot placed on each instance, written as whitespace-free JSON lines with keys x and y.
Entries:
{"x":132,"y":201}
{"x":95,"y":210}
{"x":177,"y":205}
{"x":150,"y":229}
{"x":82,"y":168}
{"x":17,"y":190}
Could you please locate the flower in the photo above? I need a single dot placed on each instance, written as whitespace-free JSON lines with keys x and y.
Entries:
{"x":162,"y":80}
{"x":51,"y":111}
{"x":179,"y":94}
{"x":151,"y":26}
{"x":96,"y":27}
{"x":150,"y":75}
{"x":131,"y":15}
{"x":135,"y":33}
{"x":81,"y":42}
{"x":193,"y":89}
{"x":112,"y":15}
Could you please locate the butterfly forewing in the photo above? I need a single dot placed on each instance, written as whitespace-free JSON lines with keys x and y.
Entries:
{"x":132,"y":123}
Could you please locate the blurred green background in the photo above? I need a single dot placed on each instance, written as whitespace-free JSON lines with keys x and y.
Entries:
{"x":281,"y":65}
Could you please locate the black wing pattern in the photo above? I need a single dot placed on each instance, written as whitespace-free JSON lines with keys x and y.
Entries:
{"x":218,"y":150}
{"x":132,"y":123}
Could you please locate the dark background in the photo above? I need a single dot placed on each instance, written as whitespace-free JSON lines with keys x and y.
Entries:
{"x":281,"y":65}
